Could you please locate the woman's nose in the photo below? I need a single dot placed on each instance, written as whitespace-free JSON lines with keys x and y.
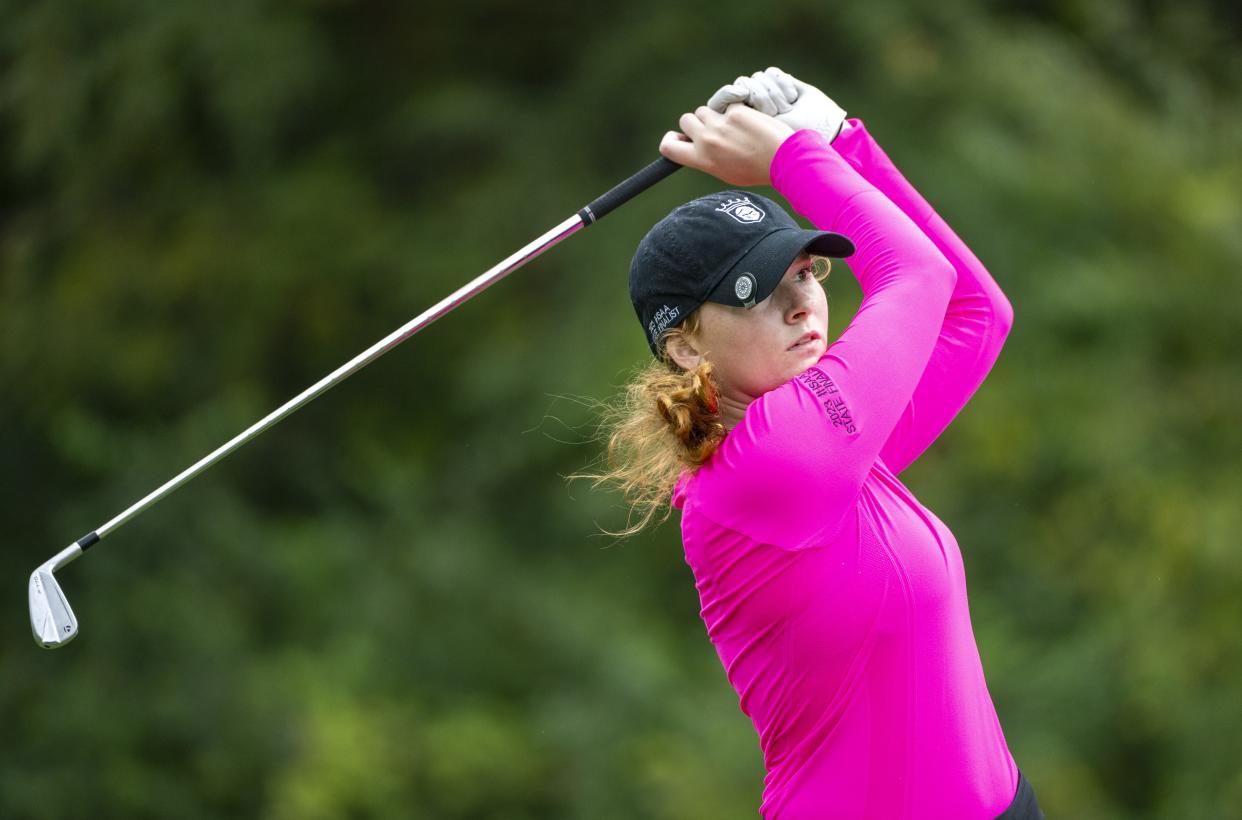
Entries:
{"x":797,"y":308}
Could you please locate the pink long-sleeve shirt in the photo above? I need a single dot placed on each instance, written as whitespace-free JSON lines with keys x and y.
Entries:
{"x":835,"y":600}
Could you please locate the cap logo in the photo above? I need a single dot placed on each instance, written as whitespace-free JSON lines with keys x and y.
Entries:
{"x":663,"y":318}
{"x":744,"y":289}
{"x":743,"y":210}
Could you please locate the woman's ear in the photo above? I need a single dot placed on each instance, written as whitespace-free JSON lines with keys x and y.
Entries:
{"x":682,"y":351}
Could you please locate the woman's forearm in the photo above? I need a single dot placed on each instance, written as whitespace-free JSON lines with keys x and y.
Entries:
{"x":977,"y":296}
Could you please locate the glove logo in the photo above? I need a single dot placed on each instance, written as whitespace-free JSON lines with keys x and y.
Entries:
{"x":743,"y":210}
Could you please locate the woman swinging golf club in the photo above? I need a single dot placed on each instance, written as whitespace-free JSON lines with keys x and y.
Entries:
{"x":835,"y":600}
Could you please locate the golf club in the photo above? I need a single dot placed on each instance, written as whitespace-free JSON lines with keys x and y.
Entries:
{"x":52,"y":619}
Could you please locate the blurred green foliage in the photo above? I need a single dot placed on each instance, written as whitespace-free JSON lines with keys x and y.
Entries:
{"x":393,"y":605}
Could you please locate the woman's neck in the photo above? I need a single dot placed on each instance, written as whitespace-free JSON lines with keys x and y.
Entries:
{"x":732,"y":410}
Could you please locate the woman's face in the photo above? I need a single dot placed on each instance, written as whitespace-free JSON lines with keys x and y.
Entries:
{"x":754,"y":350}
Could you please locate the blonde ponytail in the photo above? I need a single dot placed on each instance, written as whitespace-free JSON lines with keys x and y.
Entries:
{"x":665,"y":422}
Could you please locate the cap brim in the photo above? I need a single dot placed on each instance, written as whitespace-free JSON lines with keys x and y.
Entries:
{"x":753,"y":278}
{"x":827,"y":243}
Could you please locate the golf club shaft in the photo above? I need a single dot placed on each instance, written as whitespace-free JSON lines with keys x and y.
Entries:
{"x":585,"y":217}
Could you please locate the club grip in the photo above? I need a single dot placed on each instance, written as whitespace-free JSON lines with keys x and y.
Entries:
{"x":627,"y":190}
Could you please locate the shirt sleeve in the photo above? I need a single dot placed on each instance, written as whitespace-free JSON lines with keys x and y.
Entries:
{"x":976,"y":322}
{"x":792,"y":468}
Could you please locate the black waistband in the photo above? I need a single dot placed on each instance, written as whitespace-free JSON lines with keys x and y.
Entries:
{"x":1024,"y":805}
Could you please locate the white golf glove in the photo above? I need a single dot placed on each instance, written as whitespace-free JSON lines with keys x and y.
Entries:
{"x":785,"y":97}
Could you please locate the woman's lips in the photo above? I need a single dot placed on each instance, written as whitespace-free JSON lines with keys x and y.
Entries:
{"x":805,"y":341}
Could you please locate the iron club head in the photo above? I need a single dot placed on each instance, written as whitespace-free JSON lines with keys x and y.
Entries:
{"x":51,"y":618}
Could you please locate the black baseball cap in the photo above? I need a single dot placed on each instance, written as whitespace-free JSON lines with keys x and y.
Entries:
{"x":731,"y":247}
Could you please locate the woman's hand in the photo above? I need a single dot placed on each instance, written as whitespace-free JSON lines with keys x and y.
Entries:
{"x":736,"y":147}
{"x":785,"y":97}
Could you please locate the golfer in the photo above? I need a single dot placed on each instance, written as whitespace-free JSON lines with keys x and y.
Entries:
{"x":835,"y":600}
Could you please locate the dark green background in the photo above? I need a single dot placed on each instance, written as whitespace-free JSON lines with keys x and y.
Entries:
{"x":393,"y":604}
